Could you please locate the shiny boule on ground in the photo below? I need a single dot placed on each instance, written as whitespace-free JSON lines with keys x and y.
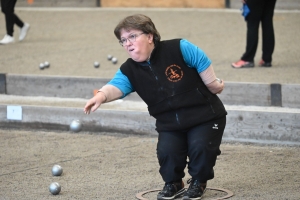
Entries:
{"x":96,"y":64}
{"x":46,"y":64}
{"x":57,"y":170}
{"x":114,"y":60}
{"x":42,"y":66}
{"x":75,"y":126}
{"x":109,"y":57}
{"x":55,"y":188}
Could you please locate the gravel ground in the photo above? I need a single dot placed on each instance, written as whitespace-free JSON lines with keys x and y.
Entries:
{"x":71,"y":40}
{"x":118,"y":166}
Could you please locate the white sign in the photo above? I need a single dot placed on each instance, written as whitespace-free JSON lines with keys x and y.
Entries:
{"x":14,"y":112}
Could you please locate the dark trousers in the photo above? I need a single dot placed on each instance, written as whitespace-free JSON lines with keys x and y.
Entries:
{"x":260,"y":11}
{"x":200,"y":144}
{"x":8,"y":8}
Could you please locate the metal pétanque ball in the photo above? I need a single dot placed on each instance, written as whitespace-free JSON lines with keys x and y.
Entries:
{"x":47,"y":64}
{"x":55,"y":188}
{"x":75,"y":126}
{"x":96,"y":64}
{"x":57,"y":170}
{"x":114,"y":60}
{"x":42,"y":66}
{"x":109,"y":57}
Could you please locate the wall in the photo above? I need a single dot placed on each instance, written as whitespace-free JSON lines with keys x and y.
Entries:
{"x":165,"y":3}
{"x":122,"y":3}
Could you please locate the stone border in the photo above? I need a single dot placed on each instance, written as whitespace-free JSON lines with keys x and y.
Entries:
{"x":244,"y":124}
{"x":236,"y":93}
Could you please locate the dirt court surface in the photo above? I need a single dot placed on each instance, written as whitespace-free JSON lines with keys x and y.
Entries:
{"x":72,"y":40}
{"x":118,"y":166}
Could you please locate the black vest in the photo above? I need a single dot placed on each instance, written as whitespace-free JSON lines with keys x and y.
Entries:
{"x":175,"y":94}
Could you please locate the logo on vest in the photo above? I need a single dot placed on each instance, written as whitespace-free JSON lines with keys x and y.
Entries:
{"x":174,"y":73}
{"x":215,"y":126}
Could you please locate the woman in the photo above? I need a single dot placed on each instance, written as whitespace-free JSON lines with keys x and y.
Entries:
{"x":177,"y":82}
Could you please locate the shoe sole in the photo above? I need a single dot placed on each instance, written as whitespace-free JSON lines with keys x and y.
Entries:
{"x":265,"y":65}
{"x":243,"y":66}
{"x":179,"y":193}
{"x":197,"y":198}
{"x":25,"y":35}
{"x":7,"y":43}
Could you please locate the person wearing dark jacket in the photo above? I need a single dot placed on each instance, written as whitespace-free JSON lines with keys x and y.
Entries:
{"x":177,"y":82}
{"x":260,"y":12}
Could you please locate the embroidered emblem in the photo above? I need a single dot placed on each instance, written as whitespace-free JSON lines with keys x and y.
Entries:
{"x":215,"y":126}
{"x":174,"y":73}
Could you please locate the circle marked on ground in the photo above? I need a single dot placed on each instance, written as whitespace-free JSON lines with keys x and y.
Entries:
{"x":229,"y":193}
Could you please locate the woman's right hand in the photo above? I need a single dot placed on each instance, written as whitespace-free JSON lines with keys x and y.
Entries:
{"x":94,"y":103}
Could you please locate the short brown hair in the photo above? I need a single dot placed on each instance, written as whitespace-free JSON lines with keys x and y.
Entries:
{"x":138,"y":22}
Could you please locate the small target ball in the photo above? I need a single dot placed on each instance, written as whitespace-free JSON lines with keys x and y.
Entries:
{"x":109,"y":57}
{"x":47,"y":64}
{"x":114,"y":60}
{"x":54,"y":188}
{"x":75,"y":126}
{"x":42,"y":66}
{"x":57,"y":170}
{"x":96,"y":64}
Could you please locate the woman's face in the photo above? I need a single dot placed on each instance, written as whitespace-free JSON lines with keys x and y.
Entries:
{"x":140,"y":46}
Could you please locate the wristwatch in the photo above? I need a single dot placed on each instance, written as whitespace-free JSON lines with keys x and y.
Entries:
{"x":219,"y":80}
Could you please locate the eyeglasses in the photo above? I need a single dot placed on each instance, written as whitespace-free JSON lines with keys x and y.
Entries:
{"x":131,"y":39}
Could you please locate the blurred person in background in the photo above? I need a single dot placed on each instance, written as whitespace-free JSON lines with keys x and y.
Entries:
{"x":7,"y":8}
{"x":261,"y":11}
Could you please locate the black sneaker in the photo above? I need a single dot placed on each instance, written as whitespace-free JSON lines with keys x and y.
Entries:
{"x":264,"y":64}
{"x":195,"y":190}
{"x":171,"y":191}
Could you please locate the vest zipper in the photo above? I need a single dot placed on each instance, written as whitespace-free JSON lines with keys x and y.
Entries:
{"x":153,"y":72}
{"x":177,"y":119}
{"x":156,"y":78}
